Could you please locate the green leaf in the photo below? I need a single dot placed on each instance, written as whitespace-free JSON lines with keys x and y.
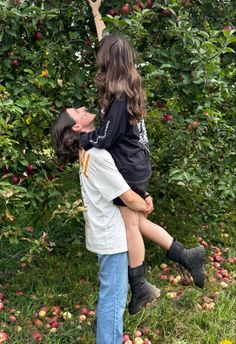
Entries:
{"x":177,"y":177}
{"x":231,"y":39}
{"x":17,"y":12}
{"x":228,"y":50}
{"x":23,"y":102}
{"x":24,"y":162}
{"x":187,"y":176}
{"x":29,"y":71}
{"x":166,"y":65}
{"x":11,"y":32}
{"x":175,"y":171}
{"x":203,"y":34}
{"x":127,"y":21}
{"x":73,"y":35}
{"x":210,"y":45}
{"x":8,"y":102}
{"x":228,"y":33}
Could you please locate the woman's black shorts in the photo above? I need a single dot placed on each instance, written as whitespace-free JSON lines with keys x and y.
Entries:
{"x":139,"y":188}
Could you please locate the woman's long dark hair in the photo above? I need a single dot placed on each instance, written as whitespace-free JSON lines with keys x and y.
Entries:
{"x":117,"y":73}
{"x":65,"y":141}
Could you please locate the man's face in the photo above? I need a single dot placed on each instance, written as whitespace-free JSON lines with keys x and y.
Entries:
{"x":84,"y":120}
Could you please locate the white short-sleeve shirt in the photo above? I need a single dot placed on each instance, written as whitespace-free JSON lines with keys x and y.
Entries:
{"x":101,"y":182}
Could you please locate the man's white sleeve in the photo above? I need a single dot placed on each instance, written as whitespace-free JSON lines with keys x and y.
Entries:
{"x":108,"y":179}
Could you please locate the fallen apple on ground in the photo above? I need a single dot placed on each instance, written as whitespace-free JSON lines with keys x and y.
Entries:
{"x":125,"y":337}
{"x":138,"y":333}
{"x":37,"y":336}
{"x":82,"y":317}
{"x":3,"y":337}
{"x":67,"y":316}
{"x":138,"y":340}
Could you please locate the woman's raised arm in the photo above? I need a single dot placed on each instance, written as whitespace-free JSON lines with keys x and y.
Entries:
{"x":99,"y":23}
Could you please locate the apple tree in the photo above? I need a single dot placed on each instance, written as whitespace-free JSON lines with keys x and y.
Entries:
{"x":186,"y":56}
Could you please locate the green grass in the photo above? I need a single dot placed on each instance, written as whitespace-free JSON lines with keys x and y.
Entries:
{"x":69,"y":280}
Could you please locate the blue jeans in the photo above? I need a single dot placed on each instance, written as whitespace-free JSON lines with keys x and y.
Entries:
{"x":113,"y":277}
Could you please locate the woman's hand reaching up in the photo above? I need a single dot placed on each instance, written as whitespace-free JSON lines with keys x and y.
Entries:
{"x":95,"y":6}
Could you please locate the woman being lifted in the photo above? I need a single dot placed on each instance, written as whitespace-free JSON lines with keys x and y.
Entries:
{"x":122,"y":132}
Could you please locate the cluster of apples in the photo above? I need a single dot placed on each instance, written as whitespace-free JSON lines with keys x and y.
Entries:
{"x":207,"y":303}
{"x":140,"y":336}
{"x":12,"y":316}
{"x":48,"y":318}
{"x":30,"y":170}
{"x":51,"y":318}
{"x":4,"y":335}
{"x":16,"y":178}
{"x":125,"y":9}
{"x":193,"y":125}
{"x":15,"y":60}
{"x":175,"y":280}
{"x":219,"y":264}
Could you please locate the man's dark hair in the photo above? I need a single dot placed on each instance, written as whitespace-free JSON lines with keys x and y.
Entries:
{"x":66,"y":142}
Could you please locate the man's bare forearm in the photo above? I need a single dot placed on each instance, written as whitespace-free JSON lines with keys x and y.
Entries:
{"x":134,"y":201}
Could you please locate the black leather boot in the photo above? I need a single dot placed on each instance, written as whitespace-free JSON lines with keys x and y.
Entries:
{"x":191,"y":259}
{"x":143,"y":292}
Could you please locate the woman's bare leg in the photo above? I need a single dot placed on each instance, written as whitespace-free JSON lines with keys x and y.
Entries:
{"x":136,"y":249}
{"x":142,"y":291}
{"x":154,"y":232}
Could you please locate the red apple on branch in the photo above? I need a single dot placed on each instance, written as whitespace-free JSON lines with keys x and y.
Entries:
{"x":38,"y":35}
{"x":88,"y":42}
{"x":15,"y":63}
{"x":195,"y":124}
{"x":167,"y":118}
{"x":15,"y":179}
{"x":166,"y":12}
{"x":124,"y":9}
{"x":140,"y":5}
{"x":228,"y":27}
{"x":112,"y":12}
{"x":159,"y":104}
{"x":184,"y":2}
{"x":149,"y":4}
{"x":30,"y":168}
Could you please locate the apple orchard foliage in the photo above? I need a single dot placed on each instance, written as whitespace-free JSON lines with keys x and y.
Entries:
{"x":185,"y":54}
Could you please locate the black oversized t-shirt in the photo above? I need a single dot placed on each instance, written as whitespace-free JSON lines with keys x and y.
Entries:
{"x":126,"y":143}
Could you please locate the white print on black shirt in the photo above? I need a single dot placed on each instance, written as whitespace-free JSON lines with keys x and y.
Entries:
{"x":103,"y":136}
{"x":143,"y":133}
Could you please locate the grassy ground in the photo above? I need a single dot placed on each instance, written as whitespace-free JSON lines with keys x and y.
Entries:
{"x":71,"y":283}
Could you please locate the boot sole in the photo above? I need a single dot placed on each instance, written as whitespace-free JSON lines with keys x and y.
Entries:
{"x":146,"y":300}
{"x":199,"y":278}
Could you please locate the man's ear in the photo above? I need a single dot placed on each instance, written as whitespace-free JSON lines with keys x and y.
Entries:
{"x":76,"y":127}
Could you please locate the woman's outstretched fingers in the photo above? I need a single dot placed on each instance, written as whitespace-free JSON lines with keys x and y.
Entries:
{"x":95,"y":5}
